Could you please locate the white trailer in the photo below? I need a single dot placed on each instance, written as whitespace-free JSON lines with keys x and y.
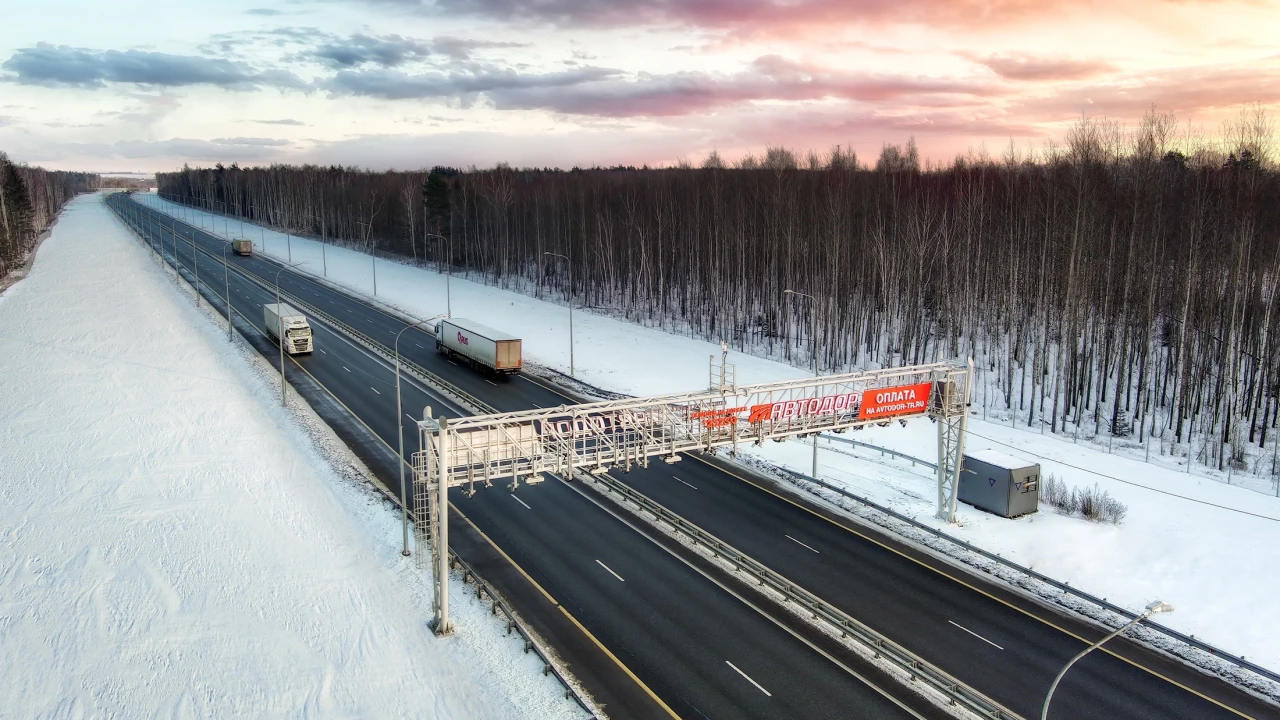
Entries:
{"x":480,"y":345}
{"x":297,"y":332}
{"x":241,"y":246}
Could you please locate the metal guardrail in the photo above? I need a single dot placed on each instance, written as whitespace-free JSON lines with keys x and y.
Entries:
{"x":468,"y":573}
{"x":879,"y":646}
{"x":548,"y":667}
{"x":882,"y":451}
{"x":1127,"y":615}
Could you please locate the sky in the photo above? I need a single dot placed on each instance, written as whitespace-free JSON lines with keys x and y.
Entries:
{"x":407,"y":84}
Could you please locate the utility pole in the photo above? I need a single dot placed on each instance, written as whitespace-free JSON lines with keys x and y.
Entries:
{"x":404,"y":504}
{"x":813,"y":351}
{"x":280,"y":329}
{"x":570,"y":297}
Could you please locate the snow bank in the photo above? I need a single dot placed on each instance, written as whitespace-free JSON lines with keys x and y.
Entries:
{"x":1215,"y":565}
{"x":174,"y":544}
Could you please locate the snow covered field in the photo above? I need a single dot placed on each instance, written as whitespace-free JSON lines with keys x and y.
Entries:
{"x":176,"y":544}
{"x":1216,"y":565}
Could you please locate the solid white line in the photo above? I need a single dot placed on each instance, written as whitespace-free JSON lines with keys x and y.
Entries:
{"x":679,"y":480}
{"x":798,"y":542}
{"x":375,"y":390}
{"x":975,"y":635}
{"x":521,"y":502}
{"x":748,"y":677}
{"x":611,"y":572}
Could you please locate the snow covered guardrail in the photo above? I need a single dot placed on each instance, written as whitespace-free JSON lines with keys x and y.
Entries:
{"x":880,"y":647}
{"x":1124,"y":615}
{"x":482,"y":589}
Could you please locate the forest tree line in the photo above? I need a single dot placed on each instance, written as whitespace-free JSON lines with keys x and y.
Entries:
{"x":30,"y":198}
{"x":1118,"y":281}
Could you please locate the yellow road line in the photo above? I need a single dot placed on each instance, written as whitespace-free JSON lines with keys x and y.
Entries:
{"x":507,"y":557}
{"x":569,"y":615}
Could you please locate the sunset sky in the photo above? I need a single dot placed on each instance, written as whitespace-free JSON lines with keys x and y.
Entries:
{"x":411,"y":83}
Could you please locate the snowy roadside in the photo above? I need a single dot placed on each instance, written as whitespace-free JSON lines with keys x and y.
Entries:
{"x":1194,"y":551}
{"x":175,"y":543}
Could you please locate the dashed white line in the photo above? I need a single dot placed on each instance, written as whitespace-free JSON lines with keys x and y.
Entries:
{"x":679,"y":480}
{"x":975,"y":635}
{"x":798,"y":542}
{"x":611,"y":572}
{"x":491,"y":382}
{"x":374,"y":389}
{"x":748,"y":677}
{"x":322,"y":350}
{"x":344,"y":367}
{"x":412,"y":419}
{"x":525,"y":504}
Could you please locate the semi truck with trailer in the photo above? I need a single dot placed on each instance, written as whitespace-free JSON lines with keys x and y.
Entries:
{"x":242,"y":246}
{"x":482,"y":346}
{"x":282,"y":319}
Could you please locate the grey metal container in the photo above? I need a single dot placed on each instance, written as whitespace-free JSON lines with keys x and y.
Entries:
{"x":1000,"y":484}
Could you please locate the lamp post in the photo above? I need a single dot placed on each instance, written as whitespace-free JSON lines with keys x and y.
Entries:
{"x":280,"y":328}
{"x":1152,"y":609}
{"x":404,"y":505}
{"x":813,"y":351}
{"x":448,"y":291}
{"x":570,"y":296}
{"x":323,"y":258}
{"x":373,"y":254}
{"x":226,"y":282}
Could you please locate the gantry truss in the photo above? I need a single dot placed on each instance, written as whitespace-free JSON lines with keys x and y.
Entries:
{"x":595,"y":437}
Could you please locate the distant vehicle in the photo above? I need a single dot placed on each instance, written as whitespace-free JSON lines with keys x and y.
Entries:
{"x":480,"y":345}
{"x":242,"y":247}
{"x":297,"y":332}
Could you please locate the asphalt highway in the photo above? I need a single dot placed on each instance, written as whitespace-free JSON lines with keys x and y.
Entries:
{"x":704,"y":652}
{"x":1000,"y":648}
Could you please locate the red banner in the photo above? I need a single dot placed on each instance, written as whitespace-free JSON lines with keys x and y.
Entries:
{"x":892,"y":401}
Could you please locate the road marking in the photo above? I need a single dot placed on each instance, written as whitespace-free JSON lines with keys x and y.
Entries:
{"x":611,"y":572}
{"x":491,"y":382}
{"x":975,"y":635}
{"x":452,"y":362}
{"x":536,"y":405}
{"x":344,"y":367}
{"x":525,"y":504}
{"x":679,"y":480}
{"x":420,"y":347}
{"x":975,"y":588}
{"x":324,"y":352}
{"x":799,"y":543}
{"x":374,"y":389}
{"x":748,"y":677}
{"x":411,"y":418}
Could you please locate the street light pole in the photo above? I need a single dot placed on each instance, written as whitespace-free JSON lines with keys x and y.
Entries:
{"x":813,"y":351}
{"x":448,"y":291}
{"x":280,"y":329}
{"x":570,"y":296}
{"x":226,"y":281}
{"x":1152,"y":609}
{"x":373,"y":255}
{"x":404,"y":504}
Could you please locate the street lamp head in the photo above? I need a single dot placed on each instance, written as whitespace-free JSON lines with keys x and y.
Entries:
{"x":1158,"y":607}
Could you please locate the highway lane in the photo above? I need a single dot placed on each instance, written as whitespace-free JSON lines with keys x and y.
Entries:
{"x":705,"y":652}
{"x":929,"y":613}
{"x":981,"y":641}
